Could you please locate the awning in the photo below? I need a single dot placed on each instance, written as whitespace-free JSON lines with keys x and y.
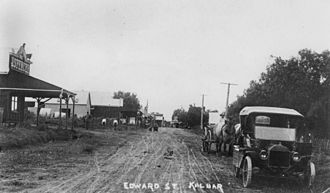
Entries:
{"x":24,"y":85}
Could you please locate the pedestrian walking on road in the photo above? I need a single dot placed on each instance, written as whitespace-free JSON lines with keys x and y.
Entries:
{"x":87,"y":120}
{"x":115,"y":124}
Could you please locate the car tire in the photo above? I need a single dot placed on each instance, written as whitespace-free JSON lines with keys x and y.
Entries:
{"x":309,"y":174}
{"x":247,"y":171}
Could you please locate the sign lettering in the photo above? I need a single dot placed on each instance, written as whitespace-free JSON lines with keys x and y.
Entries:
{"x":18,"y":65}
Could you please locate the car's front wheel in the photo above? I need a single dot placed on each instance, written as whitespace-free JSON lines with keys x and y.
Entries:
{"x":309,"y":174}
{"x":247,"y":171}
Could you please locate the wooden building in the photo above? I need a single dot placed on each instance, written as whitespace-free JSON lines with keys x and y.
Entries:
{"x":159,"y":118}
{"x":16,"y":84}
{"x":96,"y":103}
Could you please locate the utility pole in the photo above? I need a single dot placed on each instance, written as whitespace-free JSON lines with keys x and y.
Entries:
{"x":202,"y":111}
{"x":228,"y":91}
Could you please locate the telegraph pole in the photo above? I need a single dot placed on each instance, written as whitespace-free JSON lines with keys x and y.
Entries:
{"x":202,"y":111}
{"x":228,"y":91}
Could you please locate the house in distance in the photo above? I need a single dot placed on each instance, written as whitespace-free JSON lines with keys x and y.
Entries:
{"x":96,"y":103}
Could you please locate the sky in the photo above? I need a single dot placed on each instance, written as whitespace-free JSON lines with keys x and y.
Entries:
{"x":168,"y":52}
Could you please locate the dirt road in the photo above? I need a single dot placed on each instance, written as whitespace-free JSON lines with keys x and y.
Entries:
{"x":166,"y":161}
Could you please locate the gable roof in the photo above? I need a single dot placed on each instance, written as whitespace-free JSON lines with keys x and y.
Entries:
{"x":98,"y":98}
{"x":20,"y":83}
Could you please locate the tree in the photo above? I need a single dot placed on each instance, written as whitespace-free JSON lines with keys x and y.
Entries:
{"x":181,"y":115}
{"x":194,"y":116}
{"x":301,"y":83}
{"x":130,"y":100}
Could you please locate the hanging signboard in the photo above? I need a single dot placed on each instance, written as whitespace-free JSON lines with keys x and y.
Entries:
{"x":17,"y":64}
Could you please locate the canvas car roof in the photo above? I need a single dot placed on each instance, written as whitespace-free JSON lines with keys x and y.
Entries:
{"x":264,"y":109}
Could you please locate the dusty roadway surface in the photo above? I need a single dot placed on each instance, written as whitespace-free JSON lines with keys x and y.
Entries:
{"x":170,"y":160}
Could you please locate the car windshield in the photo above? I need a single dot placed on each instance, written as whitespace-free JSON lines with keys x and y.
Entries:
{"x":276,"y":126}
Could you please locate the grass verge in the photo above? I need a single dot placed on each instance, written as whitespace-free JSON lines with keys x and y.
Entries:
{"x":18,"y":137}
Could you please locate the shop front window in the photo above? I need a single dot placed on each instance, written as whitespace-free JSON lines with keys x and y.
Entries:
{"x":14,"y":103}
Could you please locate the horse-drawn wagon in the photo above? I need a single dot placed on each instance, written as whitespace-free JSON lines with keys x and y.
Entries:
{"x":220,"y":134}
{"x":275,"y":140}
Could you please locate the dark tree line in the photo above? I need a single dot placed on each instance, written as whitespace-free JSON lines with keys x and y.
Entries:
{"x":130,"y":100}
{"x":301,"y":83}
{"x":192,"y":117}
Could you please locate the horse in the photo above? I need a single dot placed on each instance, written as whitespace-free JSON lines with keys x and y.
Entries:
{"x":104,"y":121}
{"x":213,"y":132}
{"x":238,"y":130}
{"x":227,"y":137}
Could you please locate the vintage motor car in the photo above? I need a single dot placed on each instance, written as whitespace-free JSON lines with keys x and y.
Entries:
{"x":272,"y":141}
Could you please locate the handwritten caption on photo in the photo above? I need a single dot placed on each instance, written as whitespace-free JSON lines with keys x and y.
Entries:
{"x":169,"y":186}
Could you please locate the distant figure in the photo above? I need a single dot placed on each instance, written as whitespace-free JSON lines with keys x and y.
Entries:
{"x":75,"y":120}
{"x":104,"y":122}
{"x":87,"y":120}
{"x":153,"y":126}
{"x":21,"y":52}
{"x":115,"y":124}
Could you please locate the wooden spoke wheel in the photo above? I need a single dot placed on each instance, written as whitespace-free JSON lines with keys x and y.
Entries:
{"x":247,"y":172}
{"x":309,"y":174}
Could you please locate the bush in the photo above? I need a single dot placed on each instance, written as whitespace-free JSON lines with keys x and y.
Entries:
{"x":42,"y":127}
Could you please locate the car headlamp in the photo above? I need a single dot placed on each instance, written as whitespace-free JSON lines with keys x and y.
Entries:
{"x":263,"y":155}
{"x":296,"y":157}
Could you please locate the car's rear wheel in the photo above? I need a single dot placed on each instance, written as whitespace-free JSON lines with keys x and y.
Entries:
{"x":247,"y":171}
{"x":309,"y":174}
